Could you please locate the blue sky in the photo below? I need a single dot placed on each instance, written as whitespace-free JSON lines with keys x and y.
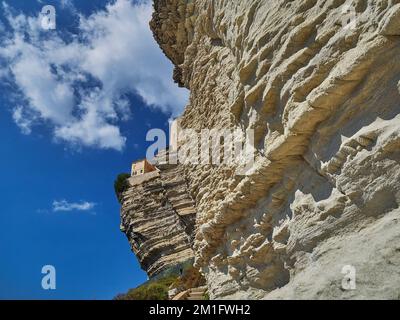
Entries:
{"x":75,"y":106}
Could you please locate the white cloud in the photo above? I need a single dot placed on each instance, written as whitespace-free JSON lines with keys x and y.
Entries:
{"x":67,"y":4}
{"x":22,"y":121}
{"x":65,"y":206}
{"x":115,"y":48}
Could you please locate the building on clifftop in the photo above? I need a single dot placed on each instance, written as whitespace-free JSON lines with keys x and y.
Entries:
{"x":142,"y":166}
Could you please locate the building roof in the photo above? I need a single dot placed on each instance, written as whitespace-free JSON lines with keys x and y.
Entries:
{"x":137,"y":161}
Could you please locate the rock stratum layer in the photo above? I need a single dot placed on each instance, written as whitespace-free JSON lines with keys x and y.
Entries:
{"x":322,"y":96}
{"x":158,"y":218}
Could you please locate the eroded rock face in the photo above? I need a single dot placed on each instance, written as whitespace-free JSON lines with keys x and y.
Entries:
{"x":323,"y":98}
{"x":158,"y":218}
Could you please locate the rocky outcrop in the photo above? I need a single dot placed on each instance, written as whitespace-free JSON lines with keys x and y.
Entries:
{"x":158,"y":218}
{"x":318,"y":82}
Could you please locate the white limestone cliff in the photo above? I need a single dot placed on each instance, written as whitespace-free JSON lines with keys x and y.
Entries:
{"x":323,"y":97}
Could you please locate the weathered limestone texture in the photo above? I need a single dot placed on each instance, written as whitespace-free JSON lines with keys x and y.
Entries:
{"x":323,"y":99}
{"x":158,"y":218}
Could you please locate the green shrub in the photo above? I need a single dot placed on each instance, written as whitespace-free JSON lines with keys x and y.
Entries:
{"x":157,"y":288}
{"x":151,"y":290}
{"x":121,"y":183}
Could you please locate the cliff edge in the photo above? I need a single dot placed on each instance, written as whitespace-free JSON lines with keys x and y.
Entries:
{"x":158,"y":218}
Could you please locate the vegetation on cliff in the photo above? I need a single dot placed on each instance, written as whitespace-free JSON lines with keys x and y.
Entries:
{"x":151,"y":290}
{"x":121,"y":183}
{"x":157,"y":289}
